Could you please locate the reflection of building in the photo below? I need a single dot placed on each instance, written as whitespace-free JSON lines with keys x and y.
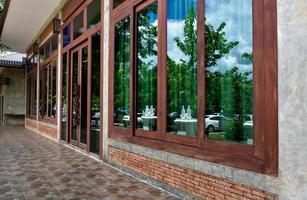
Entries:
{"x":83,"y":89}
{"x":12,"y":90}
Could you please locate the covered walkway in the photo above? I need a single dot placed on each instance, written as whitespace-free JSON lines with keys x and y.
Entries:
{"x":34,"y":167}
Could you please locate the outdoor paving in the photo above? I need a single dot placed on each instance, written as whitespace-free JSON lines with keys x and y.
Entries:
{"x":34,"y":167}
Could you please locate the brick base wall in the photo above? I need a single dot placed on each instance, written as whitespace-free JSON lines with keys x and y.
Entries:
{"x":41,"y":128}
{"x":199,"y":185}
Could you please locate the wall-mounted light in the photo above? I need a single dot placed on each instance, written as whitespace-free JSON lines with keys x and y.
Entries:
{"x":56,"y":26}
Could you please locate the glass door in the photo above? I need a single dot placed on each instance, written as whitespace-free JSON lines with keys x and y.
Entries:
{"x":78,"y":92}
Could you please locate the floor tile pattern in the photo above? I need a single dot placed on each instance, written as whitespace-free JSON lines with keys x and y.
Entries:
{"x":34,"y":167}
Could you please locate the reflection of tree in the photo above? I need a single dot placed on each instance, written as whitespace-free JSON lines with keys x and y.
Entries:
{"x":182,"y":76}
{"x":122,"y":64}
{"x":95,"y":96}
{"x":147,"y":57}
{"x":230,"y":91}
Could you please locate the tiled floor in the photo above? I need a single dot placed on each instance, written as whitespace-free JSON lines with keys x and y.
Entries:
{"x":34,"y":167}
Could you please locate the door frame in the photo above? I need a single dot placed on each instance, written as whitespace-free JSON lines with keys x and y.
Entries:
{"x":78,"y":49}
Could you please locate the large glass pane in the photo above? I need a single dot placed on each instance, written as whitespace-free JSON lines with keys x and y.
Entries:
{"x":147,"y":62}
{"x":43,"y":92}
{"x":42,"y":54}
{"x":95,"y":94}
{"x":93,"y":13}
{"x":122,"y":73}
{"x":78,"y":25}
{"x":83,"y":137}
{"x":75,"y":97}
{"x":182,"y":67}
{"x":49,"y":87}
{"x":34,"y":85}
{"x":66,"y":35}
{"x":54,"y":43}
{"x":47,"y":49}
{"x":64,"y":98}
{"x":53,"y":90}
{"x":229,"y":70}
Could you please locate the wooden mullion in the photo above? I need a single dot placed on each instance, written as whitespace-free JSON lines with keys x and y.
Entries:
{"x":132,"y":73}
{"x":258,"y":77}
{"x":162,"y":68}
{"x":201,"y":77}
{"x":89,"y":91}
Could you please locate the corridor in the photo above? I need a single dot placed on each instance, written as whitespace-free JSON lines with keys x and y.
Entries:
{"x":34,"y":167}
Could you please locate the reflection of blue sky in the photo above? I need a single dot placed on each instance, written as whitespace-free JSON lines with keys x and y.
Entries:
{"x":177,"y":11}
{"x":237,"y":14}
{"x":151,"y":60}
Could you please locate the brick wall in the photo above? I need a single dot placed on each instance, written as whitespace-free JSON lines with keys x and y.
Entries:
{"x":42,"y":128}
{"x":199,"y":185}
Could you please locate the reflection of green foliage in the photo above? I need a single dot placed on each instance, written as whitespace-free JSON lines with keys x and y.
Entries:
{"x":95,"y":91}
{"x":122,"y":64}
{"x":147,"y":58}
{"x":182,"y":76}
{"x":248,"y":56}
{"x":230,"y":91}
{"x":216,"y":44}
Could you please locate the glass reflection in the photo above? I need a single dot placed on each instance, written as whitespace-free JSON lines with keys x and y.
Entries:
{"x":229,"y":71}
{"x":93,"y":13}
{"x":147,"y":62}
{"x":122,"y":73}
{"x":83,"y":137}
{"x":78,"y":25}
{"x":64,"y":98}
{"x":182,"y":67}
{"x":66,"y":35}
{"x":43,"y":92}
{"x":75,"y":98}
{"x":95,"y":94}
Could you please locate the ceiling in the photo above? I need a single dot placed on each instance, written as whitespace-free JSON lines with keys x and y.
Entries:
{"x":24,"y":20}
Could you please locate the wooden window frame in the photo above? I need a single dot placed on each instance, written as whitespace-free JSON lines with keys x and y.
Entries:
{"x":30,"y":75}
{"x":74,"y":43}
{"x":262,"y":157}
{"x":46,"y":118}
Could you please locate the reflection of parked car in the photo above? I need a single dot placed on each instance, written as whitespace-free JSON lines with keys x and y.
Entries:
{"x":214,"y":123}
{"x":120,"y":113}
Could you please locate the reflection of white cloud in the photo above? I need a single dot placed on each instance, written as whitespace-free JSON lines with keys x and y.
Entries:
{"x":237,"y":15}
{"x":175,"y":29}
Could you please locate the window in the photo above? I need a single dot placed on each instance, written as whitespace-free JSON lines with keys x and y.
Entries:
{"x":182,"y":68}
{"x":31,"y":86}
{"x":122,"y":74}
{"x":67,"y":35}
{"x":78,"y":26}
{"x":95,"y":95}
{"x":64,"y":98}
{"x":200,"y":85}
{"x":93,"y":13}
{"x":147,"y":64}
{"x":47,"y":49}
{"x":42,"y":54}
{"x":54,"y":43}
{"x":229,"y":68}
{"x":47,"y":108}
